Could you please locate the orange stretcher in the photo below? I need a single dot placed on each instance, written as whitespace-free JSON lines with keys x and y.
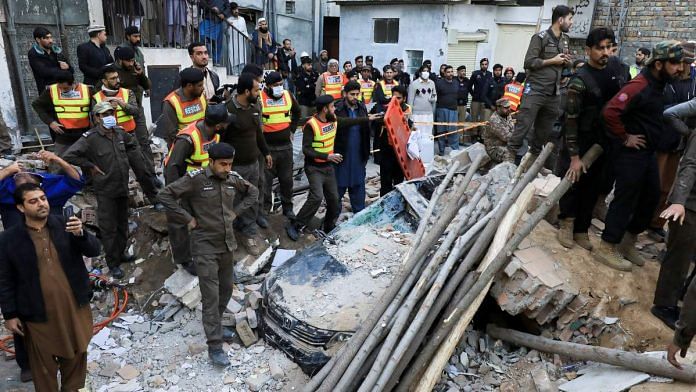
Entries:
{"x":398,"y":134}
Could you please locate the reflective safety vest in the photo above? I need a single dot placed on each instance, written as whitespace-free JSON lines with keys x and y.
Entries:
{"x":275,"y":113}
{"x":333,"y":84}
{"x":125,"y":121}
{"x":72,"y":113}
{"x":324,"y":136}
{"x":387,"y":88}
{"x":187,"y":112}
{"x":199,"y":158}
{"x":366,"y":89}
{"x":513,"y":93}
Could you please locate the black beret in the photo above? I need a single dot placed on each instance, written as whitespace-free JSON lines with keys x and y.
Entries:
{"x":130,"y":30}
{"x":216,"y":114}
{"x":190,"y":75}
{"x":273,"y":77}
{"x":253,"y":69}
{"x":368,"y":58}
{"x":124,"y":53}
{"x":221,"y":151}
{"x":323,"y":100}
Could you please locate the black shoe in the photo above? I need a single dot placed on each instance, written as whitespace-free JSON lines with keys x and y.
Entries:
{"x":228,"y":334}
{"x":292,"y":231}
{"x":218,"y":357}
{"x":159,"y":207}
{"x":262,"y":222}
{"x":667,"y":314}
{"x":288,"y":213}
{"x":25,"y":375}
{"x":190,"y":268}
{"x":126,"y":258}
{"x":116,"y":272}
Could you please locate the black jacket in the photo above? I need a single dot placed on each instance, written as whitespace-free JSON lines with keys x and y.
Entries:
{"x":91,"y":59}
{"x":341,"y":142}
{"x":285,"y":59}
{"x":305,"y":87}
{"x":44,"y":66}
{"x":496,"y":89}
{"x":479,"y":85}
{"x":20,"y":287}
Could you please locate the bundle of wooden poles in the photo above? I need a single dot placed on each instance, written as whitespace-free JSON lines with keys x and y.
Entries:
{"x":460,"y":245}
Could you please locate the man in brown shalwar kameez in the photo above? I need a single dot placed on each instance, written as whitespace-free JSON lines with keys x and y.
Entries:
{"x":45,"y":292}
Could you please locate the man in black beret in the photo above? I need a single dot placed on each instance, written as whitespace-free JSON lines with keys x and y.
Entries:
{"x":130,"y":73}
{"x":182,"y":106}
{"x":133,"y":41}
{"x":376,"y":75}
{"x":210,"y":193}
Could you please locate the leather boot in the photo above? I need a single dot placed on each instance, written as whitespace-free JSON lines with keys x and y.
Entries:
{"x":607,"y":254}
{"x":565,"y":232}
{"x":583,"y":240}
{"x":218,"y":357}
{"x":627,"y":248}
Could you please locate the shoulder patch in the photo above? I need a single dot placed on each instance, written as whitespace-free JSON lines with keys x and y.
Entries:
{"x":194,"y":173}
{"x":542,"y":33}
{"x":87,"y":133}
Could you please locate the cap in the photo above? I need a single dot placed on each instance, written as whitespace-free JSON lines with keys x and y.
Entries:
{"x":130,"y":30}
{"x":273,"y":77}
{"x":190,"y":75}
{"x":323,"y":51}
{"x":124,"y":53}
{"x":504,"y":102}
{"x":304,"y":54}
{"x":509,"y":69}
{"x":102,"y":107}
{"x":368,"y":58}
{"x":689,"y":48}
{"x":666,"y":50}
{"x":216,"y":114}
{"x":94,"y":28}
{"x":323,"y":100}
{"x":221,"y":151}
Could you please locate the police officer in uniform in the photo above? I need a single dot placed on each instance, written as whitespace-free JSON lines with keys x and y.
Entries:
{"x":108,"y":152}
{"x":546,"y":57}
{"x":210,"y":193}
{"x":318,"y":136}
{"x":280,"y":114}
{"x":305,"y":86}
{"x":190,"y":153}
{"x":182,"y":106}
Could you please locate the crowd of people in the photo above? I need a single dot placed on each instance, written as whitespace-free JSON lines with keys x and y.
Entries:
{"x":228,"y":145}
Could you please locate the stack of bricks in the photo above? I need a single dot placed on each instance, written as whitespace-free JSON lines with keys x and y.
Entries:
{"x":242,"y":312}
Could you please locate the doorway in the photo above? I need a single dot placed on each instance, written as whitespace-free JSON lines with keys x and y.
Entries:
{"x":330,"y":39}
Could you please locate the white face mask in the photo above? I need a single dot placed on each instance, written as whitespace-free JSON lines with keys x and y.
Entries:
{"x":278,"y":91}
{"x":425,"y":75}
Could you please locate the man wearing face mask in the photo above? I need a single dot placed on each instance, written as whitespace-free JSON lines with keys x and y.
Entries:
{"x":109,"y":153}
{"x":332,"y":81}
{"x":280,"y":114}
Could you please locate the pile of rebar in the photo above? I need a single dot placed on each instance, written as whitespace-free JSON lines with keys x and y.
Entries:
{"x":460,"y":245}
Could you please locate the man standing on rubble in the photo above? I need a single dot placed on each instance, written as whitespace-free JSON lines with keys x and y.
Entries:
{"x":634,"y":120}
{"x":109,"y":153}
{"x":190,"y":153}
{"x":588,"y":92}
{"x":210,"y":192}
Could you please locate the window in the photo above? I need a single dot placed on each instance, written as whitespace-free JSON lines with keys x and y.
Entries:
{"x":386,"y":31}
{"x":414,"y":60}
{"x":289,"y":7}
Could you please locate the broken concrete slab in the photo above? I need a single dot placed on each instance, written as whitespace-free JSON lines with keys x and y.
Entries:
{"x":184,"y":286}
{"x":128,"y":372}
{"x":234,"y":306}
{"x":254,"y":299}
{"x":604,"y":378}
{"x":251,"y":318}
{"x":542,"y":381}
{"x":250,"y":265}
{"x":256,"y":381}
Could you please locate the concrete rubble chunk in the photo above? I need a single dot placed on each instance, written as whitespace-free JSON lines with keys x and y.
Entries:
{"x":246,"y":334}
{"x":128,"y":372}
{"x":234,"y":306}
{"x":250,"y":266}
{"x":184,"y":286}
{"x":254,"y":299}
{"x":196,"y":348}
{"x":276,"y":370}
{"x":251,"y":318}
{"x":256,"y":381}
{"x":542,"y":381}
{"x":240,"y":316}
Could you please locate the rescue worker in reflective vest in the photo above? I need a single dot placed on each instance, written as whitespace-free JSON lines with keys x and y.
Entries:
{"x":109,"y":153}
{"x":367,"y":86}
{"x":182,"y":106}
{"x":211,"y":192}
{"x":390,"y":171}
{"x":129,"y":115}
{"x":513,"y":91}
{"x":332,"y":81}
{"x":383,"y":89}
{"x":280,"y":114}
{"x":189,"y":153}
{"x":64,"y":107}
{"x":318,"y":136}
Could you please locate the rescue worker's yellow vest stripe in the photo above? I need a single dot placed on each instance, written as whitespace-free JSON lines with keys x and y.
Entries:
{"x":73,"y":113}
{"x":324,"y":136}
{"x":189,"y":111}
{"x":387,"y":90}
{"x":124,"y":120}
{"x":275,"y":113}
{"x":366,"y":89}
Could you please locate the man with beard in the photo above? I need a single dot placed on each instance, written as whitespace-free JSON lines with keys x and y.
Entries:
{"x":546,"y":57}
{"x":263,"y":45}
{"x":238,"y":37}
{"x":132,"y":41}
{"x":130,"y":74}
{"x":642,"y":55}
{"x":359,"y":63}
{"x":198,"y":53}
{"x":45,"y":59}
{"x":462,"y":94}
{"x":376,"y":75}
{"x":634,"y":120}
{"x":287,"y":60}
{"x":588,"y":92}
{"x":93,"y":55}
{"x":382,"y":93}
{"x":496,"y":87}
{"x":305,"y":85}
{"x":402,"y":77}
{"x":446,"y":110}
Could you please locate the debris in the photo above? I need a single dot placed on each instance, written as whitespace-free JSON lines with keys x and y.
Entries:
{"x":184,"y":286}
{"x":234,"y":306}
{"x":128,"y":372}
{"x":246,"y":334}
{"x":256,"y":381}
{"x":254,"y":299}
{"x":276,"y":370}
{"x":251,"y":318}
{"x":370,"y":249}
{"x":281,"y":256}
{"x":542,"y":382}
{"x":196,"y":348}
{"x":605,"y":378}
{"x":377,"y":272}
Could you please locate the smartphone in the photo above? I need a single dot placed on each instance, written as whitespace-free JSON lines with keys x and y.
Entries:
{"x":68,"y":212}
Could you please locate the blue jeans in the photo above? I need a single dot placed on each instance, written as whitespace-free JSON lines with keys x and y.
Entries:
{"x":449,"y":116}
{"x":356,"y":193}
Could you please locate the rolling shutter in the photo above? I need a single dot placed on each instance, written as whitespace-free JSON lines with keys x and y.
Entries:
{"x":463,"y":53}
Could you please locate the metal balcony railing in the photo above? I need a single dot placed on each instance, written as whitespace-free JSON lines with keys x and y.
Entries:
{"x":176,"y":24}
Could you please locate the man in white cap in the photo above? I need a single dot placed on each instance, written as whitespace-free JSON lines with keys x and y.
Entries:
{"x":93,"y":55}
{"x":262,"y":42}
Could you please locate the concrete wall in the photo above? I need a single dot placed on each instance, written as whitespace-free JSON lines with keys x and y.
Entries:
{"x":8,"y":112}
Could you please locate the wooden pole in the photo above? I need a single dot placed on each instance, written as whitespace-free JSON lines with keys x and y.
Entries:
{"x":504,"y":231}
{"x":629,"y":360}
{"x":502,"y":258}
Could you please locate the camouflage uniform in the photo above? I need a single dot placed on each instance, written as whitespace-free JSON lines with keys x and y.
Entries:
{"x":496,"y":136}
